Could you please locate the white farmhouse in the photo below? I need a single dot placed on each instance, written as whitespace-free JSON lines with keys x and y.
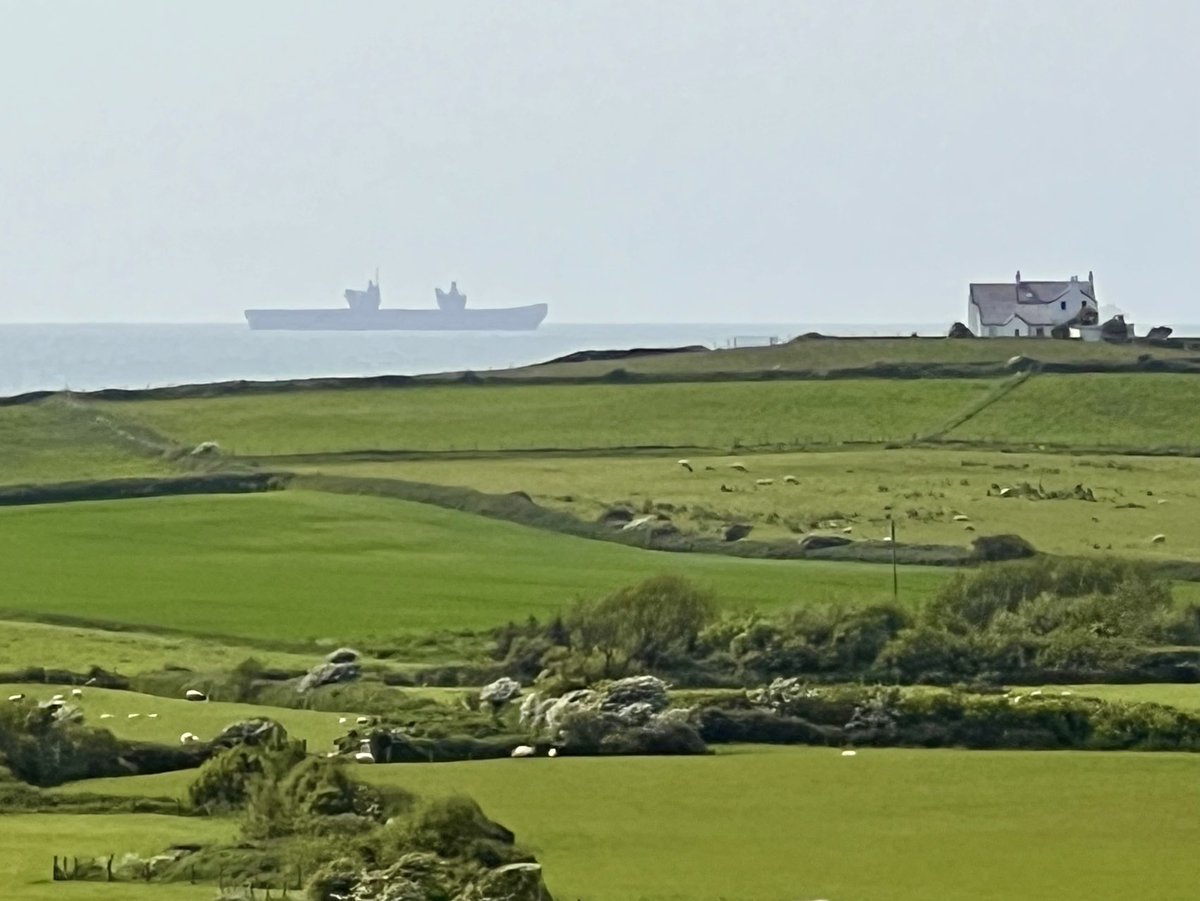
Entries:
{"x":1024,"y":309}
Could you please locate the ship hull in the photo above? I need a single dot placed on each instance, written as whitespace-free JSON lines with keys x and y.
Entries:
{"x":517,"y":319}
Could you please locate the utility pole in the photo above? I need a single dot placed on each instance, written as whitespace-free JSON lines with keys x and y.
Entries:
{"x":895,"y":571}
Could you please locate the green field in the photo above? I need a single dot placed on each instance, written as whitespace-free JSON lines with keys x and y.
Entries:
{"x":173,"y":716}
{"x":29,"y":841}
{"x":1098,"y":410}
{"x":305,"y":566}
{"x":1136,"y":497}
{"x":769,"y":824}
{"x":53,"y":441}
{"x":559,"y":416}
{"x":828,"y":355}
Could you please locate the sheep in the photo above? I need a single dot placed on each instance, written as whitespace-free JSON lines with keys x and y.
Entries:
{"x":740,"y":467}
{"x":152,"y":716}
{"x":342,"y":720}
{"x":791,"y":480}
{"x":364,"y":757}
{"x":1036,"y":693}
{"x":553,"y":752}
{"x":188,"y":737}
{"x":849,"y":753}
{"x":686,"y":464}
{"x":848,"y":530}
{"x":193,"y":694}
{"x":106,"y":716}
{"x":58,"y":698}
{"x":764,"y":481}
{"x":522,"y":751}
{"x":961,"y":517}
{"x":17,"y":697}
{"x":133,"y":716}
{"x":363,"y":720}
{"x":77,"y":692}
{"x":1158,"y":539}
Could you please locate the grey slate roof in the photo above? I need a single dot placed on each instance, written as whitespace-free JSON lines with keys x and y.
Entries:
{"x":999,"y":302}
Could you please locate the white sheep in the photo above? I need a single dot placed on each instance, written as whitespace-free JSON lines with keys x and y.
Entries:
{"x":342,"y":720}
{"x":152,"y":716}
{"x":764,"y":481}
{"x":193,"y":694}
{"x":77,"y":692}
{"x":1158,"y":539}
{"x":791,"y":480}
{"x":17,"y":697}
{"x":364,"y":757}
{"x":106,"y":716}
{"x":522,"y":751}
{"x":187,"y":738}
{"x":849,"y":753}
{"x":363,"y":720}
{"x":133,"y":716}
{"x":553,"y":752}
{"x":961,"y":517}
{"x":686,"y":464}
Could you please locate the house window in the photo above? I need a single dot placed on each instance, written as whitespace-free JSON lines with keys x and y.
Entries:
{"x":1063,"y":304}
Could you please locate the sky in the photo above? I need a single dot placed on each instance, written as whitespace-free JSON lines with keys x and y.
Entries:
{"x":804,"y":161}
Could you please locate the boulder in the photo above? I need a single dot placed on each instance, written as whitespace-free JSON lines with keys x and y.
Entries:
{"x":958,"y":330}
{"x":511,"y":882}
{"x":819,"y":542}
{"x":737,"y":531}
{"x":328,"y":674}
{"x":1115,"y":329}
{"x":635,"y":699}
{"x":342,"y":655}
{"x":256,"y":731}
{"x":500,"y":692}
{"x":1159,"y":333}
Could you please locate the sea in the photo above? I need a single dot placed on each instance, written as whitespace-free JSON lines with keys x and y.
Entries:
{"x":89,"y":357}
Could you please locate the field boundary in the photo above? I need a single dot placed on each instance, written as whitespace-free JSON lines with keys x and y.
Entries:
{"x":138,"y":488}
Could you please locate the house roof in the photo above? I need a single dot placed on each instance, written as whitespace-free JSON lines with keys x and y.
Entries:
{"x":998,"y":303}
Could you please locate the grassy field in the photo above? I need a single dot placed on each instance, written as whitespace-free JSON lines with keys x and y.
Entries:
{"x":1184,"y":696}
{"x":305,"y":566}
{"x":468,"y":417}
{"x":774,"y":824}
{"x":826,"y":355}
{"x":129,"y":653}
{"x":1136,"y":497}
{"x":1143,"y":410}
{"x":29,"y":841}
{"x":54,"y":442}
{"x":176,"y":716}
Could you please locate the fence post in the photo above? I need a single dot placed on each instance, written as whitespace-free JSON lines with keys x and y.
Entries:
{"x":108,"y":868}
{"x":54,"y":875}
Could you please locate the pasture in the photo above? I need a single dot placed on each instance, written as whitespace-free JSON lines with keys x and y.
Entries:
{"x":301,"y":567}
{"x":1145,"y":410}
{"x":1136,"y":498}
{"x":490,"y":417}
{"x":831,"y":355}
{"x":54,"y":441}
{"x":29,"y":841}
{"x":769,"y":824}
{"x":174,"y":716}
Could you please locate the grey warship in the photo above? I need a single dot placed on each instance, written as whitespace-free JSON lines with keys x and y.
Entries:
{"x":364,"y":313}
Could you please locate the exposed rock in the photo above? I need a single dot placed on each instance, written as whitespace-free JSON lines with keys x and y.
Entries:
{"x":737,"y":531}
{"x":250,"y":732}
{"x":616,"y":516}
{"x":958,"y":330}
{"x":1159,"y":333}
{"x":500,"y":692}
{"x":511,"y":882}
{"x":635,"y":698}
{"x":1115,"y":329}
{"x":342,"y":655}
{"x":328,"y":674}
{"x":818,"y":542}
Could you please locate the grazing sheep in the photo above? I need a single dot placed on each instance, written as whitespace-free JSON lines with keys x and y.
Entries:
{"x":553,"y":752}
{"x":106,"y":716}
{"x":187,"y":738}
{"x":848,"y":530}
{"x":849,"y":753}
{"x":791,"y":480}
{"x":152,"y":716}
{"x":961,"y":517}
{"x":1158,"y":539}
{"x":686,"y":464}
{"x":15,"y":698}
{"x":522,"y":751}
{"x":58,"y":698}
{"x":193,"y":695}
{"x":77,"y":692}
{"x":133,"y":716}
{"x":342,"y":720}
{"x":764,"y":481}
{"x":363,"y":720}
{"x":740,"y":467}
{"x":1036,"y":693}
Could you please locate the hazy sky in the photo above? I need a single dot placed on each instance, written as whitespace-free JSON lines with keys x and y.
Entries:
{"x":645,"y":161}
